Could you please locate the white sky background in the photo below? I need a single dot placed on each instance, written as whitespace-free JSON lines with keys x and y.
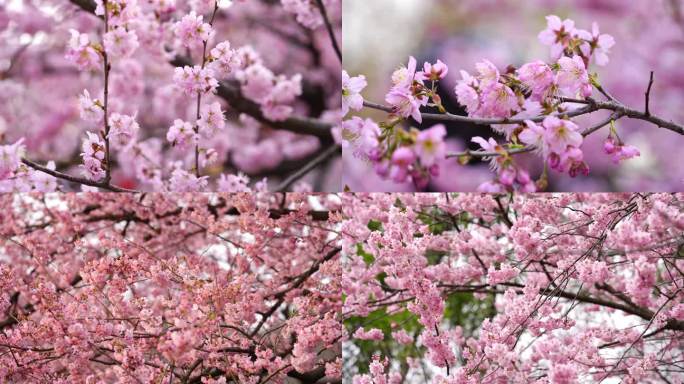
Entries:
{"x":397,"y":24}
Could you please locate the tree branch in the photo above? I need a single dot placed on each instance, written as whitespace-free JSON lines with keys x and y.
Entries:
{"x":318,"y":160}
{"x":591,"y":106}
{"x":329,"y":27}
{"x":74,"y":179}
{"x":231,"y":93}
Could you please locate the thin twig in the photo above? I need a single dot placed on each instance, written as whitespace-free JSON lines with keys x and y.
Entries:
{"x":107,"y":67}
{"x":199,"y":96}
{"x":74,"y":179}
{"x":318,"y":160}
{"x":647,"y":110}
{"x":329,"y":27}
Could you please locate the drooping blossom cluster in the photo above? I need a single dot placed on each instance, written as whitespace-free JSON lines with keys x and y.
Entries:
{"x":539,"y":98}
{"x":210,"y":288}
{"x":131,"y":69}
{"x":470,"y":288}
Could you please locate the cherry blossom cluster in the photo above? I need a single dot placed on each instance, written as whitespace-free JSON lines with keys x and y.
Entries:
{"x":205,"y":288}
{"x":14,"y":175}
{"x":532,"y":107}
{"x":166,"y":101}
{"x":470,"y":288}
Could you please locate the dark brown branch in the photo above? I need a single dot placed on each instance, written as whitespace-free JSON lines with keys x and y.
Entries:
{"x":591,"y":106}
{"x":647,"y":110}
{"x":74,"y":179}
{"x":318,"y":160}
{"x":331,"y":31}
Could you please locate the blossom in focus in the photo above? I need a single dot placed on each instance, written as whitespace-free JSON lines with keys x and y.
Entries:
{"x":596,"y":44}
{"x":351,"y":92}
{"x":93,"y":154}
{"x":557,"y":34}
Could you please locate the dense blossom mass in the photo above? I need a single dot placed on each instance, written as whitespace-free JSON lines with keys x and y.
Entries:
{"x":547,"y":289}
{"x":203,"y":89}
{"x":172,"y":288}
{"x":532,"y":108}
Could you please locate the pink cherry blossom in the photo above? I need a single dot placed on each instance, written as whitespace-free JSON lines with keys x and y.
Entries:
{"x":93,"y":154}
{"x":596,"y":45}
{"x":82,"y":53}
{"x":123,"y":130}
{"x":181,"y":134}
{"x":351,"y":92}
{"x":120,"y":42}
{"x":192,"y":30}
{"x":572,"y":75}
{"x":90,"y":109}
{"x":557,"y":34}
{"x":561,"y":133}
{"x":430,"y":146}
{"x":537,"y":76}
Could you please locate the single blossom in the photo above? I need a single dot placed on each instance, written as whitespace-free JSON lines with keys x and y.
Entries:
{"x":405,"y":104}
{"x":466,"y":93}
{"x":596,"y":44}
{"x":351,"y":92}
{"x":561,"y":134}
{"x":572,"y":75}
{"x":434,"y":72}
{"x":537,"y":76}
{"x":10,"y":158}
{"x":430,"y":146}
{"x":93,"y":154}
{"x":90,"y":109}
{"x":557,"y":34}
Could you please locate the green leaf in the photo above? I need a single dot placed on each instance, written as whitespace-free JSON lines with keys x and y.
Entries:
{"x":434,"y":256}
{"x":374,"y":225}
{"x":367,"y":257}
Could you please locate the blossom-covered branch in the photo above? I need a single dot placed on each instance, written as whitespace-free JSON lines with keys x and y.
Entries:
{"x":534,"y":107}
{"x":468,"y":288}
{"x":134,"y":49}
{"x":210,"y":288}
